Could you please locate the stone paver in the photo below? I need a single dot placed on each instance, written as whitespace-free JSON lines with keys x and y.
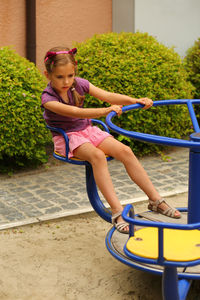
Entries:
{"x":61,"y":191}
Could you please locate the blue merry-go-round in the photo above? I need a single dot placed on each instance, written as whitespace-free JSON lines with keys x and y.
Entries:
{"x":168,"y":247}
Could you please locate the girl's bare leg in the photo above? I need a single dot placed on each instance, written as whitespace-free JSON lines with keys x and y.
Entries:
{"x":123,"y":153}
{"x":97,"y":159}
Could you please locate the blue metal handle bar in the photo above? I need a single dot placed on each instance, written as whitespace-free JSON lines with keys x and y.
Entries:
{"x":64,"y":134}
{"x":156,"y":224}
{"x":95,"y":121}
{"x":65,"y":158}
{"x":156,"y":138}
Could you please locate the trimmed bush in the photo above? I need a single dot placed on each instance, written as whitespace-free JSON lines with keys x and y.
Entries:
{"x":192,"y":65}
{"x":22,"y":128}
{"x":138,"y":66}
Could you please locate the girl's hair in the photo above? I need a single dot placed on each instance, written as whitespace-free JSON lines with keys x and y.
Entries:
{"x":53,"y":60}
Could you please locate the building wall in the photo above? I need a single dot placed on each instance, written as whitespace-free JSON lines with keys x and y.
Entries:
{"x":62,"y":22}
{"x":175,"y":23}
{"x":59,"y":22}
{"x":12,"y":25}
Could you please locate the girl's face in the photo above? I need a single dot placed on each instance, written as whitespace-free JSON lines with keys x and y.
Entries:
{"x":62,"y":78}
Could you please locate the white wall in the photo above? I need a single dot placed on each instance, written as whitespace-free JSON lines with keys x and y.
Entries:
{"x":172,"y":22}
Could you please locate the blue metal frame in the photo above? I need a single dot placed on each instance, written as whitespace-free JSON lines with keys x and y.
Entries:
{"x":140,"y":266}
{"x":161,"y":261}
{"x":155,"y":138}
{"x":64,"y":134}
{"x":172,"y":288}
{"x":193,"y":145}
{"x":91,"y":187}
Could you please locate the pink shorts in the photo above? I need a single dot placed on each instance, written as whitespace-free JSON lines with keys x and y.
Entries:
{"x":92,"y":134}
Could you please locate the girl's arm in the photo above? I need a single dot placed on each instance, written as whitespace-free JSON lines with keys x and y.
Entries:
{"x":117,"y":99}
{"x":77,"y":112}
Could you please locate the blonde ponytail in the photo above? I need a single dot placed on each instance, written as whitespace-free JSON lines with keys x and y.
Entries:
{"x":78,"y":99}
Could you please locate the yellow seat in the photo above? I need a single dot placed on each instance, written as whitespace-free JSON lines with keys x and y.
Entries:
{"x":179,"y":245}
{"x":73,"y":157}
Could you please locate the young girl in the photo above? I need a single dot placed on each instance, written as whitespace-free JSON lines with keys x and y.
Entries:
{"x":63,"y":101}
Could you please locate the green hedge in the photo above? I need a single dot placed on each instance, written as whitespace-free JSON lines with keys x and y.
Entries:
{"x":192,"y":65}
{"x":22,"y":128}
{"x":139,"y":66}
{"x":132,"y":64}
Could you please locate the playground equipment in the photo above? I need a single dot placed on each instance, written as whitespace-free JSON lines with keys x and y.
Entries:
{"x":91,"y":187}
{"x":177,"y":267}
{"x":169,"y":245}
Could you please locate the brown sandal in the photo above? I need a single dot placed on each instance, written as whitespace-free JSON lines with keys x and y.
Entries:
{"x":169,"y":212}
{"x":120,"y":226}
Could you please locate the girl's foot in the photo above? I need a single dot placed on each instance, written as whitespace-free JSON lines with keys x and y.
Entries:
{"x":119,"y":223}
{"x":163,"y":208}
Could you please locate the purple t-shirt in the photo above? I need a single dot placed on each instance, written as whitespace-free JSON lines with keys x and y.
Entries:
{"x":66,"y":123}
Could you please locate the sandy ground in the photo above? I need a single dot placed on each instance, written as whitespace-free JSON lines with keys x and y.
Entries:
{"x":68,"y":259}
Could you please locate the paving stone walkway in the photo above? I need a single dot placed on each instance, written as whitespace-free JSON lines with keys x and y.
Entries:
{"x":61,"y":191}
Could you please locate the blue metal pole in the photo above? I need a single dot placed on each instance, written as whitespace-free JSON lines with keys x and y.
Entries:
{"x":131,"y":226}
{"x":170,"y":284}
{"x":193,"y":116}
{"x":160,"y":246}
{"x":93,"y":195}
{"x":184,"y":286}
{"x":194,"y":182}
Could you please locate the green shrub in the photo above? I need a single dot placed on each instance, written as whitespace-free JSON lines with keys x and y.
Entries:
{"x":192,"y":64}
{"x":138,"y":66}
{"x":22,"y":128}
